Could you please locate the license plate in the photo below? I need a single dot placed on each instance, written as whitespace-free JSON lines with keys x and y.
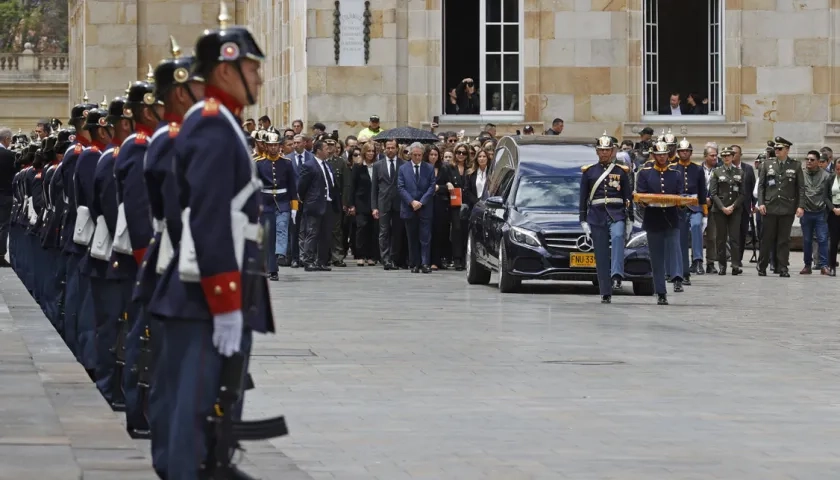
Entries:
{"x":585,"y":260}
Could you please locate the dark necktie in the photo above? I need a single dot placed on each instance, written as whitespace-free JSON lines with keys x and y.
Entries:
{"x":327,"y":179}
{"x":417,"y":173}
{"x":390,"y":168}
{"x":300,"y":160}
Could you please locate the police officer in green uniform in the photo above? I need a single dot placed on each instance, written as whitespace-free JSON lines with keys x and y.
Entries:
{"x":726,"y":189}
{"x":780,"y":183}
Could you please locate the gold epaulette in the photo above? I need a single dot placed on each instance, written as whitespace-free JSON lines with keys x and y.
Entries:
{"x":623,"y":167}
{"x":586,"y":167}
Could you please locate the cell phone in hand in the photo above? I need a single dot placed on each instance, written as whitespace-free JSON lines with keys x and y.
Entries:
{"x":335,"y":135}
{"x":436,"y":119}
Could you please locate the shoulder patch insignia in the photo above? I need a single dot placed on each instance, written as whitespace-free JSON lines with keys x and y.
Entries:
{"x":174,"y":128}
{"x":94,"y":149}
{"x":211,"y":108}
{"x":140,"y":139}
{"x":78,"y":148}
{"x":116,"y":151}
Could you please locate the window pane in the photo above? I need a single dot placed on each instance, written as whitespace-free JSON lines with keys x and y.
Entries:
{"x":494,"y":38}
{"x":493,"y":11}
{"x":494,"y":97}
{"x":511,"y":68}
{"x":511,"y":10}
{"x":511,"y":38}
{"x":494,"y":68}
{"x":511,"y":97}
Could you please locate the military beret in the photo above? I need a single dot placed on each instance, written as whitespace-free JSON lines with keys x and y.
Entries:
{"x":779,"y":142}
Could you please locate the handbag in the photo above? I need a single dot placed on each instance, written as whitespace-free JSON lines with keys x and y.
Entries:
{"x":122,"y":241}
{"x":84,"y":227}
{"x":102,"y":242}
{"x":455,"y":197}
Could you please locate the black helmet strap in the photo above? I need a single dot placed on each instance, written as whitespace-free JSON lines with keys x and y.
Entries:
{"x":251,"y":99}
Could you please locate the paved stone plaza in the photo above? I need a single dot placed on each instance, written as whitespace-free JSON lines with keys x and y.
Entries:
{"x":392,"y":375}
{"x":423,"y":376}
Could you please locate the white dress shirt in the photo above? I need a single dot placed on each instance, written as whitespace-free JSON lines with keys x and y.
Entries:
{"x":480,"y":180}
{"x":328,"y":179}
{"x":676,"y":110}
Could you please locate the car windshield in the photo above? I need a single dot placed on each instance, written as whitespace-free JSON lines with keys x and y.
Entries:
{"x":548,"y":193}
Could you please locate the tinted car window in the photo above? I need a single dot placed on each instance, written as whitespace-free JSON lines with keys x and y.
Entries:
{"x":506,"y":183}
{"x":551,"y":193}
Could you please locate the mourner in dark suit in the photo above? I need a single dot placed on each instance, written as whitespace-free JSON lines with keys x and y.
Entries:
{"x":749,"y":200}
{"x":296,"y":238}
{"x":454,"y":177}
{"x":8,"y":168}
{"x":367,"y":233}
{"x":674,"y":106}
{"x":386,"y":206}
{"x":416,"y":186}
{"x":321,"y":203}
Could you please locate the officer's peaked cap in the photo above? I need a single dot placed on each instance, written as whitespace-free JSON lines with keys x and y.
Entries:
{"x":780,"y":142}
{"x":116,"y":110}
{"x":227,"y":43}
{"x":98,"y":117}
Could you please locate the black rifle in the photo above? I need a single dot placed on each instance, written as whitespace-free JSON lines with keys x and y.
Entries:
{"x":755,"y":240}
{"x":144,"y":367}
{"x":119,"y":351}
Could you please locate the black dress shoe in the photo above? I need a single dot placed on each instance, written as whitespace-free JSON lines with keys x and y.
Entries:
{"x":273,"y":277}
{"x":678,"y":288}
{"x":737,"y":271}
{"x":687,"y":281}
{"x":784,"y":274}
{"x":324,"y":268}
{"x":616,"y":279}
{"x":339,"y":263}
{"x":761,"y":273}
{"x":662,"y":299}
{"x":139,"y":434}
{"x":698,"y":267}
{"x":415,"y":269}
{"x":606,"y":299}
{"x":282,"y":261}
{"x":295,"y":264}
{"x":711,"y":269}
{"x":312,"y":268}
{"x":427,"y":269}
{"x":832,"y":272}
{"x":387,"y":266}
{"x":118,"y":406}
{"x":722,"y":270}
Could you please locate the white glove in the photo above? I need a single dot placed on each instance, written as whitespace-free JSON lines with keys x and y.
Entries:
{"x":294,"y":214}
{"x":227,"y":332}
{"x":586,"y":229}
{"x":628,"y":229}
{"x":705,"y":223}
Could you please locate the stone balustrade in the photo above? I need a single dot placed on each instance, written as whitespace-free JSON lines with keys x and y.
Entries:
{"x":31,"y":67}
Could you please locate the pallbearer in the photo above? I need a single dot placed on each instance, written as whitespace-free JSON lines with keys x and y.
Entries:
{"x":661,"y":221}
{"x":606,"y":213}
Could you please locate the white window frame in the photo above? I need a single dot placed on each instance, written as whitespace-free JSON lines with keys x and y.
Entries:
{"x":717,"y":79}
{"x":509,"y":116}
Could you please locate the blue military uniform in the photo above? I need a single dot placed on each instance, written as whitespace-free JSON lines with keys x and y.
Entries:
{"x":691,"y":218}
{"x":605,"y":206}
{"x":279,"y":198}
{"x":662,"y":223}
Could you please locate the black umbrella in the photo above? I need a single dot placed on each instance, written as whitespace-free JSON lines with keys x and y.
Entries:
{"x":406,"y":135}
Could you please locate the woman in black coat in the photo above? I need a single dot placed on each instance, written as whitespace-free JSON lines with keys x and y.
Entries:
{"x":453,"y":178}
{"x":367,"y":227}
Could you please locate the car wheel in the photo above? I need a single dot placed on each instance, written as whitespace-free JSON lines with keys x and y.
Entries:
{"x":507,"y":282}
{"x":476,"y":273}
{"x":643,"y":288}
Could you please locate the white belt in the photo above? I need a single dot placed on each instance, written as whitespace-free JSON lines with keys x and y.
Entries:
{"x":274,"y":191}
{"x":252,"y":232}
{"x":158,"y":225}
{"x":601,"y":201}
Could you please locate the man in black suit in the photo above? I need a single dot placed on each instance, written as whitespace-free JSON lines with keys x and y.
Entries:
{"x":321,"y":202}
{"x":386,"y":205}
{"x":748,"y":184}
{"x":297,"y":233}
{"x":674,"y":107}
{"x":416,"y":186}
{"x":7,"y":173}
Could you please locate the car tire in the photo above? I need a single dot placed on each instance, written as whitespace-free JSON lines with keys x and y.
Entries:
{"x":643,"y":288}
{"x":507,"y":282}
{"x":476,"y":273}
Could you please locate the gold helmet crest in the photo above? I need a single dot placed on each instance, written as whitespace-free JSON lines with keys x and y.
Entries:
{"x":604,"y":142}
{"x":670,"y":139}
{"x":684,"y":145}
{"x":659,"y":148}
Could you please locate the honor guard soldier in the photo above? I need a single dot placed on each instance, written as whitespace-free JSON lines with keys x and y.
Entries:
{"x":693,"y":219}
{"x":727,"y":194}
{"x":214,"y":292}
{"x":259,"y":144}
{"x":606,"y":213}
{"x":780,"y":184}
{"x":33,"y":186}
{"x":279,"y":199}
{"x":75,"y":286}
{"x":178,"y":88}
{"x":103,"y":295}
{"x":662,"y":223}
{"x":132,"y":234}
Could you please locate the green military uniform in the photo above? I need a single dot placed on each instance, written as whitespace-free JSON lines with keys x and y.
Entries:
{"x":342,"y":182}
{"x":780,"y":184}
{"x":726,"y":190}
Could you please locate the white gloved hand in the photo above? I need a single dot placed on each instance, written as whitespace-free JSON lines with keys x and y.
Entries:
{"x":586,"y":228}
{"x":628,"y":229}
{"x":227,"y":332}
{"x":294,"y":214}
{"x":705,"y":223}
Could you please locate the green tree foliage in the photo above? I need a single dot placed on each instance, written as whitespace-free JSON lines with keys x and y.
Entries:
{"x":43,"y":23}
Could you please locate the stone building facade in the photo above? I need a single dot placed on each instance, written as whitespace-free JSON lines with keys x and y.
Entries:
{"x":773,"y":66}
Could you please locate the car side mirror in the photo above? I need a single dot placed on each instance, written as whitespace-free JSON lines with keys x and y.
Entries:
{"x":495,"y":202}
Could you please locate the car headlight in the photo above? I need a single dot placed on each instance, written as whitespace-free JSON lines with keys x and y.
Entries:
{"x":637,"y":240}
{"x":524,"y":236}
